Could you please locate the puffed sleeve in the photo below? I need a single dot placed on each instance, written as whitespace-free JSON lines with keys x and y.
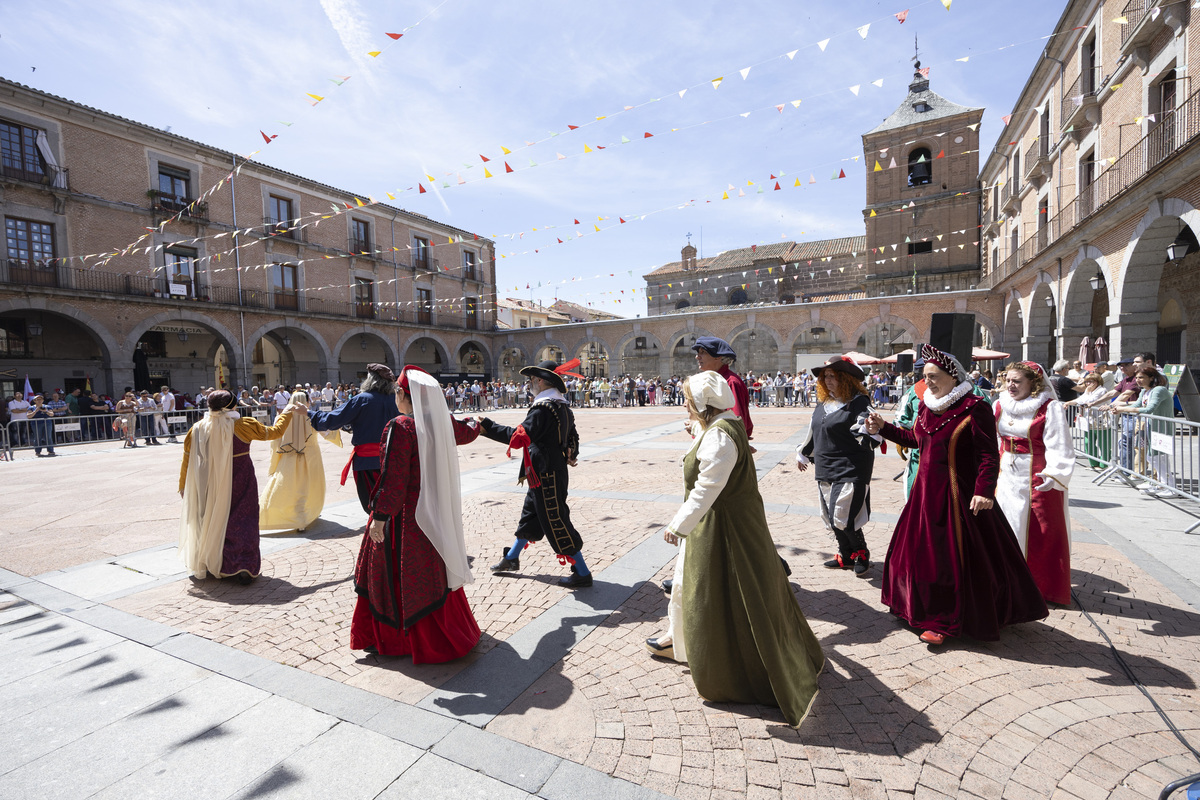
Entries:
{"x":987,"y":451}
{"x":464,"y":432}
{"x":400,"y":441}
{"x":248,"y":429}
{"x":1060,"y":452}
{"x":717,"y":454}
{"x":187,"y":454}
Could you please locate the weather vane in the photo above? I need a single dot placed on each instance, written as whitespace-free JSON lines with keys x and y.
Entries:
{"x":916,"y":52}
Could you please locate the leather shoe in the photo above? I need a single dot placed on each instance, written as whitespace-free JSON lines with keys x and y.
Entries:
{"x":576,"y":581}
{"x":933,"y":637}
{"x":667,"y":584}
{"x":506,"y":564}
{"x":660,"y":650}
{"x":837,"y":563}
{"x":862,"y":563}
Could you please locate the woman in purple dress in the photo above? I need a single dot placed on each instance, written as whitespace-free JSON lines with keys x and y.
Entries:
{"x":954,"y":567}
{"x":219,"y":529}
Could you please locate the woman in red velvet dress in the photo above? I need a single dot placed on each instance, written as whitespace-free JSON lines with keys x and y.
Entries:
{"x":413,"y":564}
{"x":954,"y":567}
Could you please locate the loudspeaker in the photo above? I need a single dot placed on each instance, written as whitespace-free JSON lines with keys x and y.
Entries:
{"x":904,"y":363}
{"x":953,"y":334}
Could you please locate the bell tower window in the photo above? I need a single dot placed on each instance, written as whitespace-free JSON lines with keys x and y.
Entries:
{"x":920,"y":167}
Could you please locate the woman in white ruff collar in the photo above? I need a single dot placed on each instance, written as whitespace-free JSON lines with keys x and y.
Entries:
{"x":1036,"y":461}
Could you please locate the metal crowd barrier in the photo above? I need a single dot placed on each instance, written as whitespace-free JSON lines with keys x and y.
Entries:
{"x":1157,"y":454}
{"x":71,"y":431}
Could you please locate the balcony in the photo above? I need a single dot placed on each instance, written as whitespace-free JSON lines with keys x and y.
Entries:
{"x":1081,"y":103}
{"x":54,"y":177}
{"x":362,"y":247}
{"x":1175,"y":132}
{"x":170,"y":205}
{"x":284,"y":229}
{"x":1010,"y":201}
{"x":364,"y":310}
{"x":1037,"y":161}
{"x":1145,"y":19}
{"x":286,"y":301}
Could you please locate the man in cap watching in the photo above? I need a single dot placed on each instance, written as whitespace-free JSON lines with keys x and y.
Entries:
{"x":715,"y":355}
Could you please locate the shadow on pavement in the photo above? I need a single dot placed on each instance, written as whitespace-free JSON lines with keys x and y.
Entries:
{"x":1104,"y":596}
{"x":264,"y":591}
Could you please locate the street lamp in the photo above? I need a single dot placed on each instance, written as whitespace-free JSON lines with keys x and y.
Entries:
{"x":1049,"y":301}
{"x":1097,"y":281}
{"x":34,"y":329}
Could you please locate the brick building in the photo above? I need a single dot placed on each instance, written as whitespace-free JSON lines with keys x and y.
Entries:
{"x":258,"y":278}
{"x":1091,"y":194}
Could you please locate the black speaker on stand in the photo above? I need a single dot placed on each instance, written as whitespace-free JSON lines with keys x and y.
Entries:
{"x":904,"y":363}
{"x":953,"y":334}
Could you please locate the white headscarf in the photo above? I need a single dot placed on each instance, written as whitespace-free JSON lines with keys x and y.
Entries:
{"x":439,"y":506}
{"x":207,"y":493}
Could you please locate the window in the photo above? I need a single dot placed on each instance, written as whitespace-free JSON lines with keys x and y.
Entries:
{"x":682,"y":304}
{"x":364,"y":298}
{"x":537,"y":323}
{"x":916,"y":248}
{"x":13,"y":343}
{"x":738,"y":297}
{"x":1087,"y":177}
{"x":995,"y":259}
{"x":469,"y":265}
{"x":425,"y":306}
{"x":471,"y":306}
{"x":360,"y":236}
{"x":19,"y":154}
{"x":921,"y":107}
{"x":420,"y":252}
{"x":920,"y":167}
{"x":1088,"y":79}
{"x":524,"y":323}
{"x":174,"y":188}
{"x":279,"y":216}
{"x":30,"y":248}
{"x":1016,"y":171}
{"x":180,"y":268}
{"x":284,"y":286}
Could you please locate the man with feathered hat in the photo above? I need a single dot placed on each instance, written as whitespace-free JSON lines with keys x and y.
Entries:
{"x":551,"y":444}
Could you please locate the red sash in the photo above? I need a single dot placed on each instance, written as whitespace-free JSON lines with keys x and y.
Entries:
{"x":520,"y":440}
{"x":367,"y":450}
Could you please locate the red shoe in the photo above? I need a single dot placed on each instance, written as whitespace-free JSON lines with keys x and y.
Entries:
{"x":933,"y":637}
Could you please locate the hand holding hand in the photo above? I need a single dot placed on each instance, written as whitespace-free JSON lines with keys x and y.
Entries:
{"x":376,"y":531}
{"x":874,"y":423}
{"x":980,"y":503}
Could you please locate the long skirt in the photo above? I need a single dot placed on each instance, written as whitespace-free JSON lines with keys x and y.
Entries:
{"x":240,"y":553}
{"x":443,"y":635}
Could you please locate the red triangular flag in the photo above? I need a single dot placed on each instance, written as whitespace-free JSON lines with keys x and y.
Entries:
{"x":622,"y":220}
{"x":941,"y":154}
{"x":647,"y":135}
{"x":507,"y":168}
{"x":576,"y":222}
{"x":902,"y":15}
{"x":485,"y":158}
{"x":777,"y":186}
{"x":419,"y":186}
{"x":841,"y":173}
{"x":772,"y":177}
{"x":599,"y":147}
{"x":559,"y":241}
{"x":395,"y":35}
{"x":266,"y":138}
{"x":573,"y":127}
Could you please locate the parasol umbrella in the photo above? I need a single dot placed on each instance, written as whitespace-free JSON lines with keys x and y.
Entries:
{"x":983,"y":354}
{"x":894,"y":357}
{"x":1101,"y":349}
{"x":861,"y":358}
{"x":1085,"y":349}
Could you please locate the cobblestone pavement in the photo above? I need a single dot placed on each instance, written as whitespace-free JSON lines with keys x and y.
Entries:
{"x":1045,"y":712}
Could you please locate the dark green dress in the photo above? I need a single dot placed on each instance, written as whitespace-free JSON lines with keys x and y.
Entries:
{"x":747,"y":639}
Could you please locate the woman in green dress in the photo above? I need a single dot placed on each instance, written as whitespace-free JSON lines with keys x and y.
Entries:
{"x":747,"y":639}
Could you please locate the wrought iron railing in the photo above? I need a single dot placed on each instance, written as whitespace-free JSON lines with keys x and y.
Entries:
{"x":1173,"y":132}
{"x":284,"y":229}
{"x":1085,"y":86}
{"x":56,"y":177}
{"x":1134,"y":12}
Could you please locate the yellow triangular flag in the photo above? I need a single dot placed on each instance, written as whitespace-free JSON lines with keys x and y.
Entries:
{"x":946,"y":3}
{"x":391,"y":196}
{"x":797,"y":183}
{"x":878,"y":167}
{"x":360,"y":202}
{"x":724,"y":195}
{"x":873,"y":214}
{"x":717,"y":82}
{"x":374,"y":53}
{"x":486,"y":174}
{"x":505,"y":150}
{"x":597,"y":227}
{"x":586,"y":149}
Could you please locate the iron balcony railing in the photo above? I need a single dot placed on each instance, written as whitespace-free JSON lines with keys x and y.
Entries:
{"x":56,"y":177}
{"x":1135,"y":12}
{"x":284,"y":229}
{"x":91,"y":281}
{"x":1176,"y":130}
{"x":1082,"y":92}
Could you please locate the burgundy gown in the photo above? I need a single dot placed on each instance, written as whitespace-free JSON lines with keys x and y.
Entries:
{"x":404,"y":606}
{"x":948,"y":570}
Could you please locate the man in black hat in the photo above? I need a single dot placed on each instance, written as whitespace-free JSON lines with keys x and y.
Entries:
{"x":551,"y":444}
{"x":715,"y":355}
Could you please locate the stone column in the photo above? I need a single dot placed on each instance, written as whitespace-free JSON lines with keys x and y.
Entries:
{"x":1132,"y":333}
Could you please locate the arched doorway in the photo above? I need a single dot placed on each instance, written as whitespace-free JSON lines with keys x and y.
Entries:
{"x":358,"y":351}
{"x":512,"y":359}
{"x":473,"y":361}
{"x":287,"y":355}
{"x":683,"y":358}
{"x":186,"y":356}
{"x":54,"y":350}
{"x":640,"y":356}
{"x":593,"y":360}
{"x":756,"y":350}
{"x":427,"y":353}
{"x":549,"y":352}
{"x":819,"y":339}
{"x":882,"y":339}
{"x":1041,"y":342}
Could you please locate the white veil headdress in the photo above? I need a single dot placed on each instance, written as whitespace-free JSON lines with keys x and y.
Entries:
{"x":439,"y":506}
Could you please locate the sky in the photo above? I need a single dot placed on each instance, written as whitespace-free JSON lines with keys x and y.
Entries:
{"x":468,"y":79}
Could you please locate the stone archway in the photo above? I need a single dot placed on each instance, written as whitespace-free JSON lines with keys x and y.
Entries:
{"x":186,"y":349}
{"x":758,"y":346}
{"x":817,"y":338}
{"x":509,"y":361}
{"x":679,"y":350}
{"x":473,"y":358}
{"x":639,"y":352}
{"x":1133,"y":320}
{"x":356,"y":349}
{"x":428,"y":352}
{"x":1084,"y":309}
{"x":289,"y":352}
{"x":883,"y":337}
{"x":1041,"y":323}
{"x":595,"y":358}
{"x":55,"y":348}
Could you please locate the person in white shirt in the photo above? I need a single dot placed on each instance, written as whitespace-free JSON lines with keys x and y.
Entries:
{"x":168,"y":407}
{"x":282,"y":396}
{"x":18,"y":411}
{"x":327,"y":394}
{"x":145,"y":418}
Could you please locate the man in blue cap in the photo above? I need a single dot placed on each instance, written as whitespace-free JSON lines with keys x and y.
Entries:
{"x":715,"y":355}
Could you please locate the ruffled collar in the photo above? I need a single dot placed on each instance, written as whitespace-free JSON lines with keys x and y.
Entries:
{"x":1027,"y":408}
{"x":939,"y":404}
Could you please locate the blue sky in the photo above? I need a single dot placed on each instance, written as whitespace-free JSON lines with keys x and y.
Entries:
{"x":473,"y":77}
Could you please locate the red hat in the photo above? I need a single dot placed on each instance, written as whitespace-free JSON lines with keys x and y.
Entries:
{"x":403,"y":381}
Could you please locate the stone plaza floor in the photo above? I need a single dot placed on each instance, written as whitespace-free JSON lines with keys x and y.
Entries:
{"x":122,"y":677}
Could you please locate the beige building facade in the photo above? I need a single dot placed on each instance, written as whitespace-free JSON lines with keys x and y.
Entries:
{"x":121,"y":237}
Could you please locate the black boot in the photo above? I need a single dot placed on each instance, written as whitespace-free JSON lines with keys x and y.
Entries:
{"x":507,"y":564}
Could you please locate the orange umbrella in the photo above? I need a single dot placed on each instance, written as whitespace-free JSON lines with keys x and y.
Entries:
{"x":861,"y":358}
{"x":983,"y":354}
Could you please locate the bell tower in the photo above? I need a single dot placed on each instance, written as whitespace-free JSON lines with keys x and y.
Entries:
{"x":923,"y":197}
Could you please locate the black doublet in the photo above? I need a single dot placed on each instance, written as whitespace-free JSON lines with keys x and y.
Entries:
{"x":553,"y":441}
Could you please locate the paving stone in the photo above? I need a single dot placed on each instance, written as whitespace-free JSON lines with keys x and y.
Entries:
{"x":435,"y":778}
{"x":516,"y":764}
{"x":574,"y":782}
